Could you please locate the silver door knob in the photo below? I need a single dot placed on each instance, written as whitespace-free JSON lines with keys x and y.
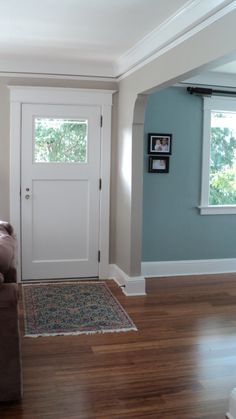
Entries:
{"x":27,"y":196}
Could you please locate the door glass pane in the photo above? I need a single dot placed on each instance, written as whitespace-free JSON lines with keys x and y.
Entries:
{"x":223,"y":158}
{"x":60,"y":140}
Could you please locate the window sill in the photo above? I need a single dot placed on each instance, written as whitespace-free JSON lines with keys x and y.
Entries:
{"x":217,"y":209}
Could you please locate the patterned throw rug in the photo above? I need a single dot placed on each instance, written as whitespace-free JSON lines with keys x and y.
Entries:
{"x":72,"y":309}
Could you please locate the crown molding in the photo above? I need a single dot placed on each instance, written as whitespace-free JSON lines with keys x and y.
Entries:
{"x":188,"y":21}
{"x":53,"y":76}
{"x":61,"y":68}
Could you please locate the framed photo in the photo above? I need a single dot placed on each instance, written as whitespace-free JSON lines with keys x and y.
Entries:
{"x":159,"y":143}
{"x":158,"y":164}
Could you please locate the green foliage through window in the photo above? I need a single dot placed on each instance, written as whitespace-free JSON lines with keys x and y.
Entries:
{"x":60,"y":140}
{"x":223,"y":160}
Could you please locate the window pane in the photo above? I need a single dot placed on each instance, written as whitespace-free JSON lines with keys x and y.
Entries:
{"x":223,"y":159}
{"x":60,"y":140}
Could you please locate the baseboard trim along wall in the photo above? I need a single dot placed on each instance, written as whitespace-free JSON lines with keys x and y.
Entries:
{"x":188,"y":267}
{"x":232,"y":405}
{"x":136,"y":285}
{"x":130,"y":285}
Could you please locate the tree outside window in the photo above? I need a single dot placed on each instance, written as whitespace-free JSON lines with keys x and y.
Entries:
{"x":222,"y":179}
{"x":60,"y":140}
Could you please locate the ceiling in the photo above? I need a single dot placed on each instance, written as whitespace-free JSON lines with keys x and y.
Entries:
{"x":221,"y":74}
{"x":103,"y":38}
{"x":229,"y":68}
{"x":79,"y":29}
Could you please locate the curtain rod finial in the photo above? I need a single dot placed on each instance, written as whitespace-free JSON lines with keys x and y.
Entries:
{"x":199,"y":91}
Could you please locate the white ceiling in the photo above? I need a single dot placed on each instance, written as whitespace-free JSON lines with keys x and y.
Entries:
{"x":221,"y":74}
{"x":92,"y":37}
{"x":229,"y":68}
{"x":78,"y":29}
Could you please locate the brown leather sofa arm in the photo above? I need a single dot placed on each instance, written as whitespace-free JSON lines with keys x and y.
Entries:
{"x":10,"y":357}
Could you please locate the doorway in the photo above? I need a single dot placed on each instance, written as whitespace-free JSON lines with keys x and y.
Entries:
{"x":60,"y":179}
{"x":60,"y":169}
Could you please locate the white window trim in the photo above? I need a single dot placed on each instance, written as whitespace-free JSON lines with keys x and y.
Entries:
{"x":49,"y":95}
{"x":215,"y":103}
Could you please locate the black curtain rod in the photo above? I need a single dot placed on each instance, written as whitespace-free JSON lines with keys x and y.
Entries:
{"x":208,"y":92}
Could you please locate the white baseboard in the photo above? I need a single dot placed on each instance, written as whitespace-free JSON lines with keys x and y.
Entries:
{"x":232,"y":405}
{"x":130,"y":285}
{"x":136,"y":285}
{"x":188,"y":267}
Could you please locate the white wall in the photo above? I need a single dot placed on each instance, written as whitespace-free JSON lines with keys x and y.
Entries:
{"x":4,"y":150}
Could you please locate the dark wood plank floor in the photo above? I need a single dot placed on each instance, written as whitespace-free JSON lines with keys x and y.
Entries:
{"x":181,"y":364}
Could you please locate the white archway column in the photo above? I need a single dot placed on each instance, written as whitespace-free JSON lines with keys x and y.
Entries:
{"x":137,"y":186}
{"x":179,"y":63}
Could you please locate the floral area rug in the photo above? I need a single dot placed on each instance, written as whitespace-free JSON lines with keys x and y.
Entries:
{"x":72,"y":309}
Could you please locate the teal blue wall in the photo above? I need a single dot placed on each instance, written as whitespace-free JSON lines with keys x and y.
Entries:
{"x":173,"y":228}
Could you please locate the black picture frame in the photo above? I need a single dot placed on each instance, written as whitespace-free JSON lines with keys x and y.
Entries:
{"x":159,"y":144}
{"x":158,"y":164}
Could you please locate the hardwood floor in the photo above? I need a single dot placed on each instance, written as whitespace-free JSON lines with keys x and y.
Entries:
{"x":181,"y":364}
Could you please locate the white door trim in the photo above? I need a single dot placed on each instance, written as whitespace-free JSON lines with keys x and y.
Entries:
{"x":43,"y":95}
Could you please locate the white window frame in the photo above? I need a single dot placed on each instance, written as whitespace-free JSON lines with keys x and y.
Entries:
{"x":214,"y":103}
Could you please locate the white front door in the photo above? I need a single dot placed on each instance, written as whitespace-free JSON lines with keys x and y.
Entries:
{"x":60,"y":170}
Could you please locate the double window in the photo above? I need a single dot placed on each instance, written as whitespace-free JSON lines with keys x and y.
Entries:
{"x":219,"y":156}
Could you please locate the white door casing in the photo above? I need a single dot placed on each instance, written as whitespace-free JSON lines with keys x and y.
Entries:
{"x":60,"y":200}
{"x":101,"y":99}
